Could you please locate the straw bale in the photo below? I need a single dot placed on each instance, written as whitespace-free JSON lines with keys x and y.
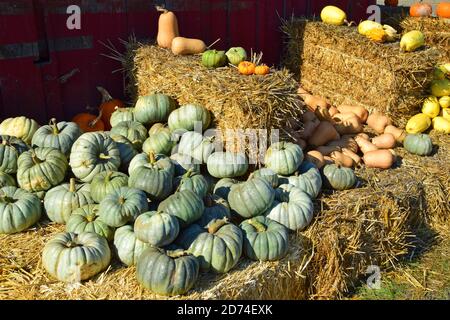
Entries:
{"x":345,"y":67}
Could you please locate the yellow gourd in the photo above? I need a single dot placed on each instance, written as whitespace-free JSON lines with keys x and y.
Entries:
{"x":441,"y":124}
{"x":377,"y":35}
{"x":368,"y":25}
{"x":333,"y":15}
{"x":440,"y":88}
{"x":431,"y":107}
{"x":418,"y":123}
{"x":444,"y":102}
{"x":412,"y":41}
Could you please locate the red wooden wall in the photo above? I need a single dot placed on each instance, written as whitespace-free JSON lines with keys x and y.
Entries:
{"x":47,"y":70}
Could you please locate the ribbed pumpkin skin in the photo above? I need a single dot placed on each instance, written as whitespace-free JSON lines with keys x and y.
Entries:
{"x":251,"y":198}
{"x":126,"y":149}
{"x":107,"y":182}
{"x":307,"y":179}
{"x":156,"y":228}
{"x":61,"y":136}
{"x":89,"y":256}
{"x":120,"y":115}
{"x":284,"y":157}
{"x":293,"y":208}
{"x":187,"y":116}
{"x":339,"y":178}
{"x":6,"y":180}
{"x":21,"y":214}
{"x":127,"y":247}
{"x":215,"y":208}
{"x":223,"y":187}
{"x":227,"y":165}
{"x":185,"y":205}
{"x":41,"y":169}
{"x":19,"y":127}
{"x":156,"y":179}
{"x":61,"y":201}
{"x":10,"y":150}
{"x":192,"y":181}
{"x":159,"y":143}
{"x":267,"y":174}
{"x":196,"y":146}
{"x":122,"y":206}
{"x":153,"y":108}
{"x":134,"y":131}
{"x":85,"y":219}
{"x":214,"y":59}
{"x":183,"y":163}
{"x":219,"y":251}
{"x":92,"y":153}
{"x":419,"y":144}
{"x":268,"y":245}
{"x":158,"y":272}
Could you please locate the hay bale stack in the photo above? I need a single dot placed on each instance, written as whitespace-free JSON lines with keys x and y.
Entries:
{"x":436,"y":31}
{"x":236,"y":101}
{"x":345,"y":67}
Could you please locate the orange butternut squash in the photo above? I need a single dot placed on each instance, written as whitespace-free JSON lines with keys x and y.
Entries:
{"x":360,"y":112}
{"x":315,"y":157}
{"x":378,"y":122}
{"x":345,"y":142}
{"x":327,"y":150}
{"x":342,"y":159}
{"x":323,"y":134}
{"x":356,"y":159}
{"x":312,"y":102}
{"x":351,"y":125}
{"x":384,"y":141}
{"x":381,"y":159}
{"x":167,"y":28}
{"x":185,"y":46}
{"x":398,"y":134}
{"x":365,"y":145}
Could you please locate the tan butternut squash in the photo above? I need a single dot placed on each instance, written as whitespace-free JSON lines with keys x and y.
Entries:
{"x":365,"y":145}
{"x":342,"y":159}
{"x":384,"y":141}
{"x":327,"y":150}
{"x":343,"y":116}
{"x":381,"y":159}
{"x":345,"y":142}
{"x":309,"y":128}
{"x":323,"y":114}
{"x":398,"y":134}
{"x":315,"y":157}
{"x":362,"y":135}
{"x":312,"y":102}
{"x":185,"y":46}
{"x":360,"y":112}
{"x":378,"y":121}
{"x":167,"y":28}
{"x":323,"y":134}
{"x":356,"y":159}
{"x":328,"y":160}
{"x":351,"y":125}
{"x":333,"y":111}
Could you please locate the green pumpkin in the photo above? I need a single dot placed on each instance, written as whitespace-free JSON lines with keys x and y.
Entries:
{"x":122,"y":206}
{"x":236,"y":55}
{"x":127,"y":151}
{"x":167,"y":273}
{"x":214,"y":59}
{"x":293,"y":208}
{"x":186,"y":118}
{"x":215,"y":208}
{"x":107,"y":182}
{"x":85,"y":219}
{"x":264,"y":239}
{"x":223,"y":187}
{"x":41,"y":169}
{"x":10,"y":150}
{"x":127,"y":247}
{"x":160,"y":142}
{"x":120,"y":115}
{"x":19,"y":127}
{"x":339,"y":178}
{"x":71,"y":257}
{"x":19,"y":210}
{"x":134,"y":131}
{"x":157,"y":228}
{"x":227,"y":165}
{"x":196,"y":146}
{"x":92,"y":153}
{"x":218,"y":247}
{"x":419,"y":144}
{"x":267,"y":174}
{"x":183,"y":163}
{"x":61,"y":136}
{"x":192,"y":181}
{"x":187,"y":206}
{"x":157,"y":127}
{"x":307,"y":179}
{"x":6,"y":180}
{"x":154,"y":108}
{"x":61,"y":201}
{"x":284,"y":157}
{"x":251,"y":198}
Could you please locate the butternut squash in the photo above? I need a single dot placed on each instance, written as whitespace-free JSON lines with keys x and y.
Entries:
{"x":378,"y":122}
{"x":328,"y":160}
{"x":312,"y":102}
{"x":327,"y":150}
{"x":333,"y":111}
{"x":360,"y":112}
{"x":381,"y":159}
{"x":167,"y":28}
{"x":323,"y":114}
{"x":315,"y":157}
{"x":309,"y":128}
{"x":323,"y":134}
{"x":349,"y":126}
{"x":398,"y":134}
{"x":342,"y":159}
{"x":356,"y":159}
{"x":362,"y":135}
{"x":302,"y":91}
{"x":343,"y":116}
{"x":365,"y":145}
{"x":185,"y":46}
{"x":384,"y":141}
{"x":345,"y":142}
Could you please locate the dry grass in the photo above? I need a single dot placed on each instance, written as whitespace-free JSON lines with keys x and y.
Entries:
{"x":345,"y":67}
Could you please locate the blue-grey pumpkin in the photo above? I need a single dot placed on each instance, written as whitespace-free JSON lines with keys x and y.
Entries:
{"x":187,"y":206}
{"x":223,"y":187}
{"x":227,"y":165}
{"x":120,"y":115}
{"x":266,"y":174}
{"x":160,"y":142}
{"x":154,"y":108}
{"x":187,"y":116}
{"x":10,"y":150}
{"x":183,"y":163}
{"x":339,"y":178}
{"x":419,"y":144}
{"x":6,"y":180}
{"x":197,"y":146}
{"x":284,"y":157}
{"x":308,"y":179}
{"x":127,"y":151}
{"x":107,"y":182}
{"x":192,"y":181}
{"x":215,"y":208}
{"x":127,"y":247}
{"x":157,"y":228}
{"x":134,"y":131}
{"x":85,"y":219}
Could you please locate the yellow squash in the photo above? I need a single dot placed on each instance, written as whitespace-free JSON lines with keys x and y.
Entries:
{"x":441,"y":124}
{"x":377,"y":35}
{"x":418,"y":123}
{"x":431,"y":107}
{"x":440,"y":88}
{"x":446,"y":113}
{"x":444,"y":102}
{"x":368,"y":25}
{"x":333,"y":15}
{"x":412,"y":41}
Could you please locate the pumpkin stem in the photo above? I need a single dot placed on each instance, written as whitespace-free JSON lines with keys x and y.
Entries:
{"x":104,"y":156}
{"x":176,"y":253}
{"x":208,"y":47}
{"x":257,"y":225}
{"x":7,"y":199}
{"x":108,"y":176}
{"x":105,"y":94}
{"x":92,"y":123}
{"x":215,"y":225}
{"x":54,"y":126}
{"x":73,"y":186}
{"x":189,"y":173}
{"x":161,"y":9}
{"x":152,"y":157}
{"x":122,"y":200}
{"x":35,"y":158}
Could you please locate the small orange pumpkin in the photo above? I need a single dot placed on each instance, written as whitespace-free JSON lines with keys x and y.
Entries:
{"x":108,"y":106}
{"x":421,"y":10}
{"x":443,"y":10}
{"x":262,"y":70}
{"x":89,"y":122}
{"x":246,"y":68}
